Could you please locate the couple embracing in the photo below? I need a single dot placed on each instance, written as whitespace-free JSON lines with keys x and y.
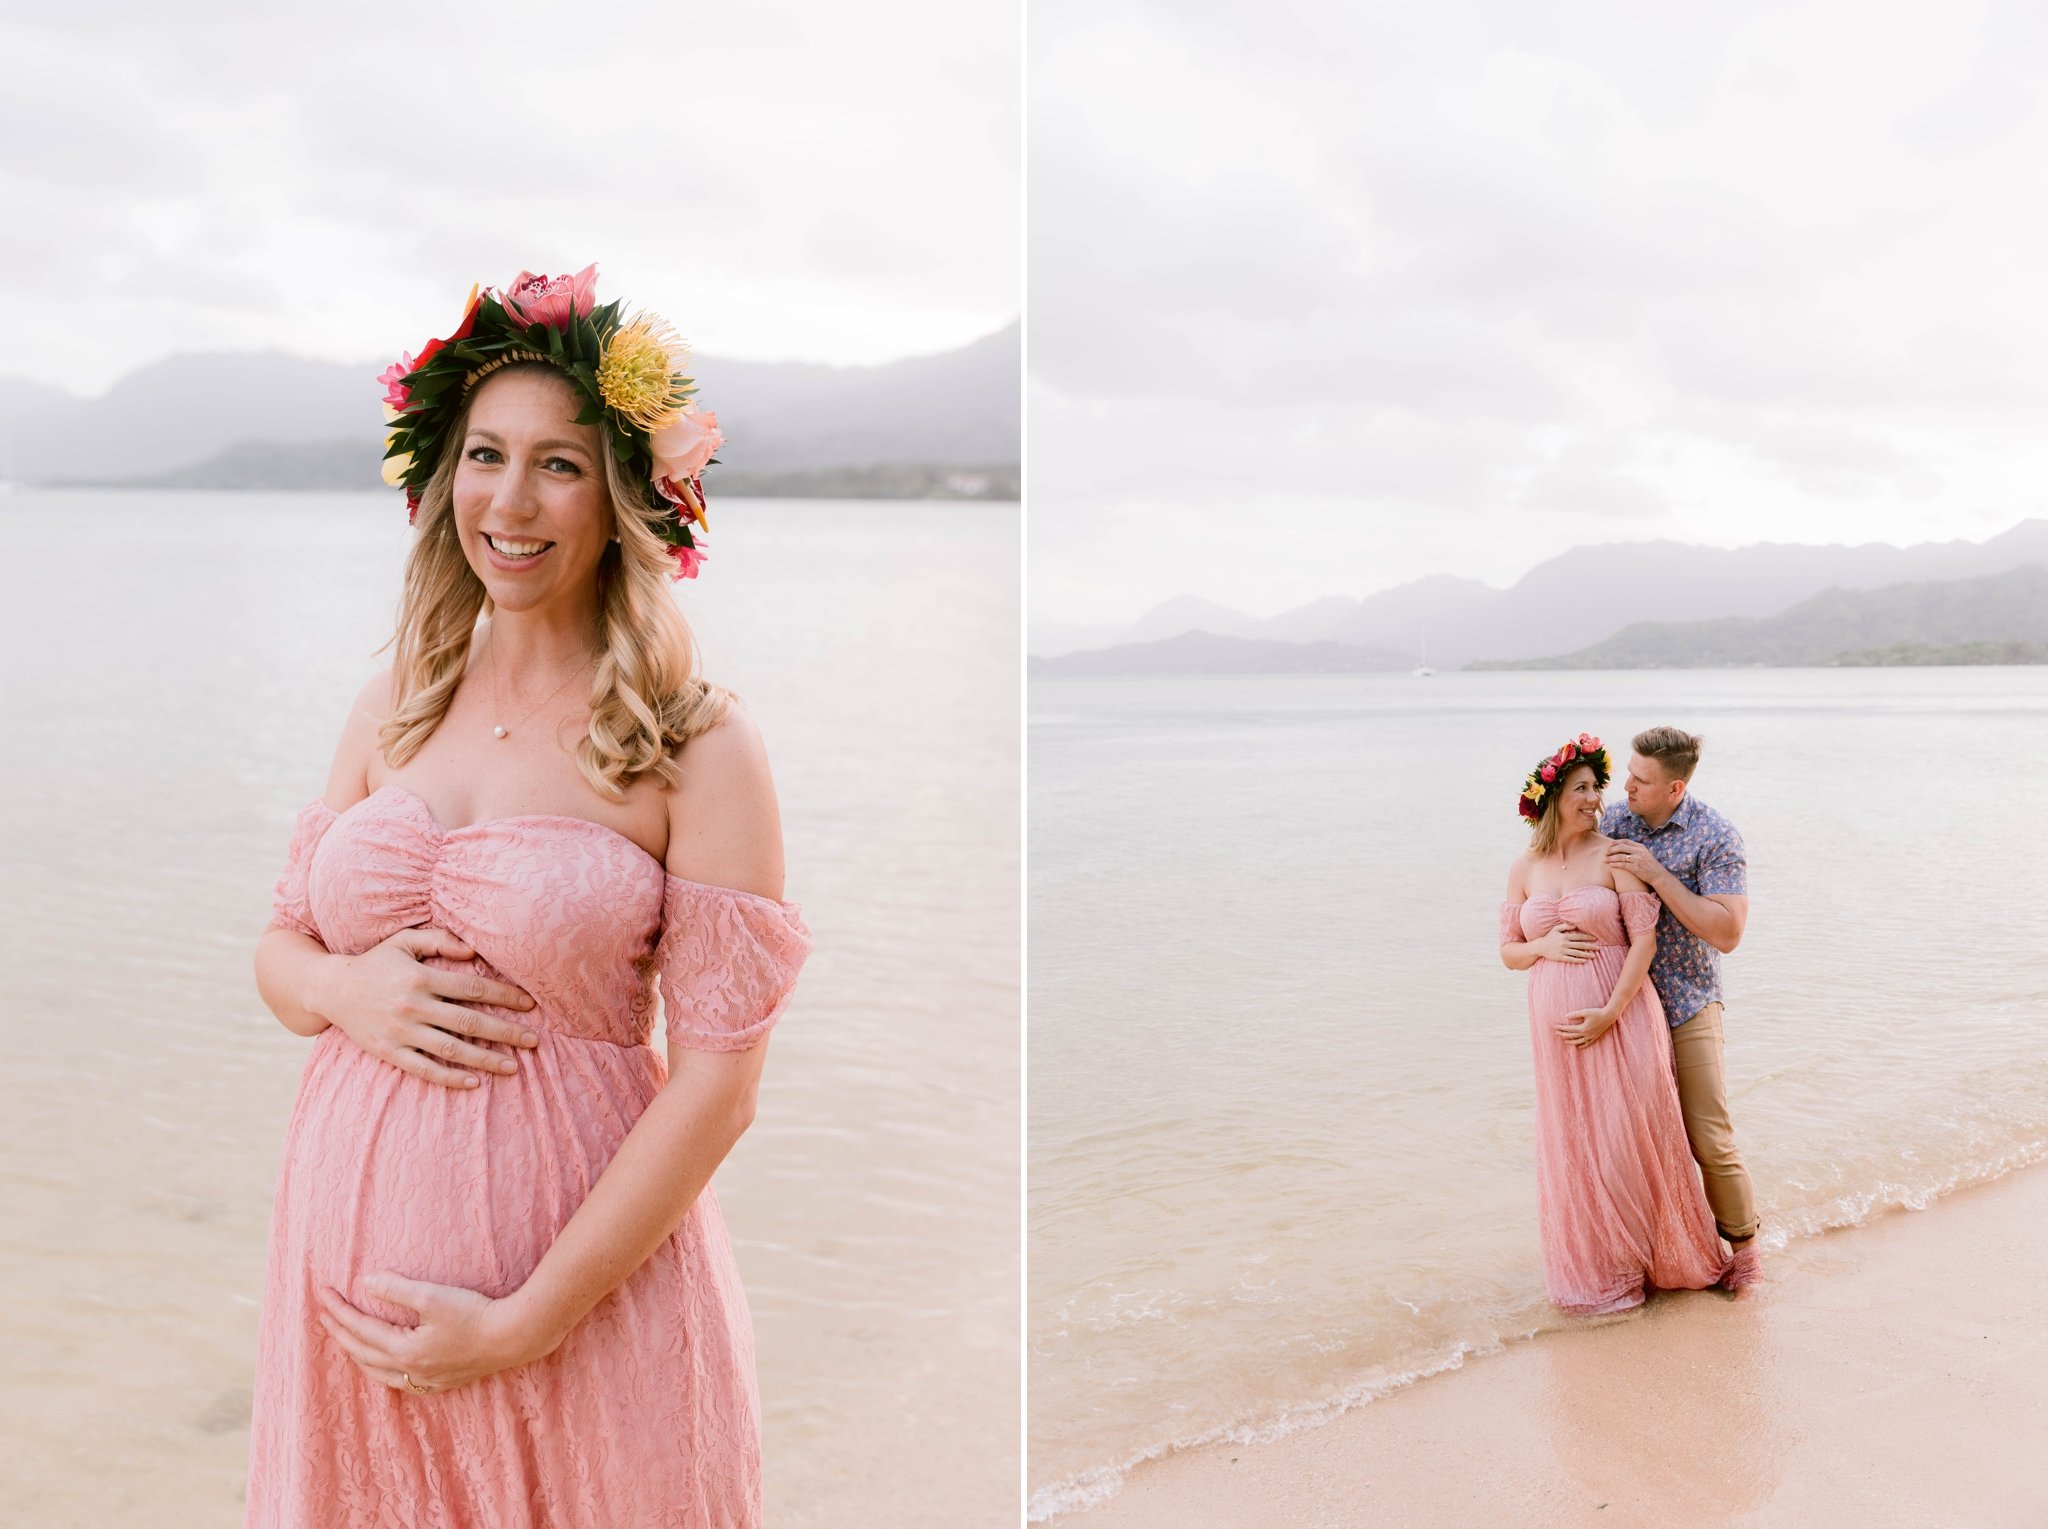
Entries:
{"x":1620,"y":915}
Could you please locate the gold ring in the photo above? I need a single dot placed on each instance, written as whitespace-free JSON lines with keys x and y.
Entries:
{"x":410,"y":1384}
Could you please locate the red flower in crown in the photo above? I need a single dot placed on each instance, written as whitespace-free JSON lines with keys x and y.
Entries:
{"x":462,"y":330}
{"x":1548,"y":772}
{"x":1568,"y":752}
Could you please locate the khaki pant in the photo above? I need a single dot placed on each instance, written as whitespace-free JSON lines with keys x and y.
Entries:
{"x":1703,"y":1098}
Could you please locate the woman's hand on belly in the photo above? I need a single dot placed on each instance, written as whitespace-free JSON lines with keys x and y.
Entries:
{"x":1566,"y":942}
{"x":462,"y":1336}
{"x":1582,"y":1027}
{"x":412,"y":1015}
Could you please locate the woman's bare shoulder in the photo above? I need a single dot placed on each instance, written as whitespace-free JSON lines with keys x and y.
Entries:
{"x":725,"y":827}
{"x":348,"y":778}
{"x":1518,"y":877}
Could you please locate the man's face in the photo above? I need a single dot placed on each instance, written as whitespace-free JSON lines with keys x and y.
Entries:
{"x":1652,"y":794}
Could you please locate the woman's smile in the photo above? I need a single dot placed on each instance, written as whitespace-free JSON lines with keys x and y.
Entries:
{"x":515,"y":553}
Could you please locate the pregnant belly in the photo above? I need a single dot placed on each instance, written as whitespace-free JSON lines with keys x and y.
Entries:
{"x":1557,"y":988}
{"x":463,"y":1187}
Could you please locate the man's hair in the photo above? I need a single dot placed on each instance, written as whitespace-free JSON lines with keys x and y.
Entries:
{"x":1675,"y":749}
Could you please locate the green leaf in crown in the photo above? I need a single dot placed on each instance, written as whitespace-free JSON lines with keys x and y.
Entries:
{"x":631,"y":374}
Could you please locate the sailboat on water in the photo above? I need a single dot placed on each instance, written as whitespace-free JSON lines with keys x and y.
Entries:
{"x":1422,"y":670}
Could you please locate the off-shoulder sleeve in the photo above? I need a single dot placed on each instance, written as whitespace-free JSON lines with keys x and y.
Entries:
{"x":1639,"y":911}
{"x":289,"y":908}
{"x":1511,"y":923}
{"x":726,"y":963}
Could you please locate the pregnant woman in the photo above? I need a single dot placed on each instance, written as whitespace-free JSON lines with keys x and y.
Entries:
{"x":499,"y":1291}
{"x":1618,"y":1202}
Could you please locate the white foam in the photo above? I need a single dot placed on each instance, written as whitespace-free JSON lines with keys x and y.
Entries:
{"x":1091,"y":1488}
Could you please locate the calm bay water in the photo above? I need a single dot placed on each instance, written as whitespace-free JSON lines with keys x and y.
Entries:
{"x":1280,"y":1100}
{"x":178,"y":666}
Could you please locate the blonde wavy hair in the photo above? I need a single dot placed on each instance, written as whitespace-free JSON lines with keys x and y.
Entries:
{"x":646,"y":696}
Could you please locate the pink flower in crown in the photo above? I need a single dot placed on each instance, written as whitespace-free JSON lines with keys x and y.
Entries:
{"x":556,"y":301}
{"x":681,"y":448}
{"x":1588,"y":742}
{"x":396,"y":394}
{"x":688,"y":560}
{"x":1548,"y":772}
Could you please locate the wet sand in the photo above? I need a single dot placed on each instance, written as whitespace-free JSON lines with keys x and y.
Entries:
{"x":1889,"y":1374}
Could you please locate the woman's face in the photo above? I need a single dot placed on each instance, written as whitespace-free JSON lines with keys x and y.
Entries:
{"x":531,"y":506}
{"x":1578,"y":799}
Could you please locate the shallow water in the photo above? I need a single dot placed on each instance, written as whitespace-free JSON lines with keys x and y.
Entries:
{"x":178,"y":668}
{"x":1280,"y":1096}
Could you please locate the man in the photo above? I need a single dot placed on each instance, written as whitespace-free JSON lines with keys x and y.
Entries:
{"x":1692,"y":858}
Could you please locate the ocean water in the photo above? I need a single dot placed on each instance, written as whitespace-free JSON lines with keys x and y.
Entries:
{"x":177,"y":668}
{"x":1280,"y":1104}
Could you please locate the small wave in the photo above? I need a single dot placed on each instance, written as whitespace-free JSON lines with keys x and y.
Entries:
{"x":1093,"y":1487}
{"x":1860,"y":1207}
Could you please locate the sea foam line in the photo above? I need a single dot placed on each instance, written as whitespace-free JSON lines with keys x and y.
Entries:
{"x":1093,"y":1487}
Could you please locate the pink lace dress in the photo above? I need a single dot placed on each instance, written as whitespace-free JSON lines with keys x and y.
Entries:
{"x":1618,"y":1201}
{"x":647,"y":1414}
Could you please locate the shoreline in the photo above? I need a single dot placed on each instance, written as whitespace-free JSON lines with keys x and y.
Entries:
{"x":1893,"y":1372}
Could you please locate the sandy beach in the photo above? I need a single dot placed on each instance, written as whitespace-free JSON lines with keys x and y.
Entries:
{"x":1890,"y":1374}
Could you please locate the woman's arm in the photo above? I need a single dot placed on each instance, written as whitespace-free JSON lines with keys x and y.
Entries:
{"x":290,"y":965}
{"x":725,"y":831}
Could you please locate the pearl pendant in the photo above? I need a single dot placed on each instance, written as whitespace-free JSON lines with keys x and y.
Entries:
{"x":499,"y":729}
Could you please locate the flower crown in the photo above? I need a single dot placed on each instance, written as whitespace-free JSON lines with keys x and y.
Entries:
{"x":1585,"y":749}
{"x":629,"y":371}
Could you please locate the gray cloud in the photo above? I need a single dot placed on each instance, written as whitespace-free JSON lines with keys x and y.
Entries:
{"x":1760,"y":272}
{"x":793,"y":181}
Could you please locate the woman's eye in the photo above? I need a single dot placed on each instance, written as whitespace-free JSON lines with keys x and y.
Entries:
{"x":490,"y":454}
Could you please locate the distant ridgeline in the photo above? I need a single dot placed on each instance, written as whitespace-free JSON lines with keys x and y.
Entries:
{"x":943,"y":426}
{"x":1619,"y":606}
{"x":2002,"y":619}
{"x":1209,"y":653}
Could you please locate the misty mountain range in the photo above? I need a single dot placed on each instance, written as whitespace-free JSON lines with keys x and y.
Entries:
{"x":1840,"y":626}
{"x":266,"y":420}
{"x":1635,"y":605}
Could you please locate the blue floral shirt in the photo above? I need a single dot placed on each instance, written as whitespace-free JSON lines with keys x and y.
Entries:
{"x":1704,"y":851}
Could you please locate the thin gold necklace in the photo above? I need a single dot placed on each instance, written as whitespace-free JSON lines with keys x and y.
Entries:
{"x":499,"y":729}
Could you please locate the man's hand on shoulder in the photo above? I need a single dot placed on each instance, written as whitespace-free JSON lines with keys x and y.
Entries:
{"x":1627,"y":855}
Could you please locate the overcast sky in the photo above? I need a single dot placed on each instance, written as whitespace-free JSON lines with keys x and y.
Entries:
{"x":803,"y":180}
{"x":1327,"y":297}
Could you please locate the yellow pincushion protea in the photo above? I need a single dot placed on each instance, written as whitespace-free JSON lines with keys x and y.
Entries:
{"x":637,"y":374}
